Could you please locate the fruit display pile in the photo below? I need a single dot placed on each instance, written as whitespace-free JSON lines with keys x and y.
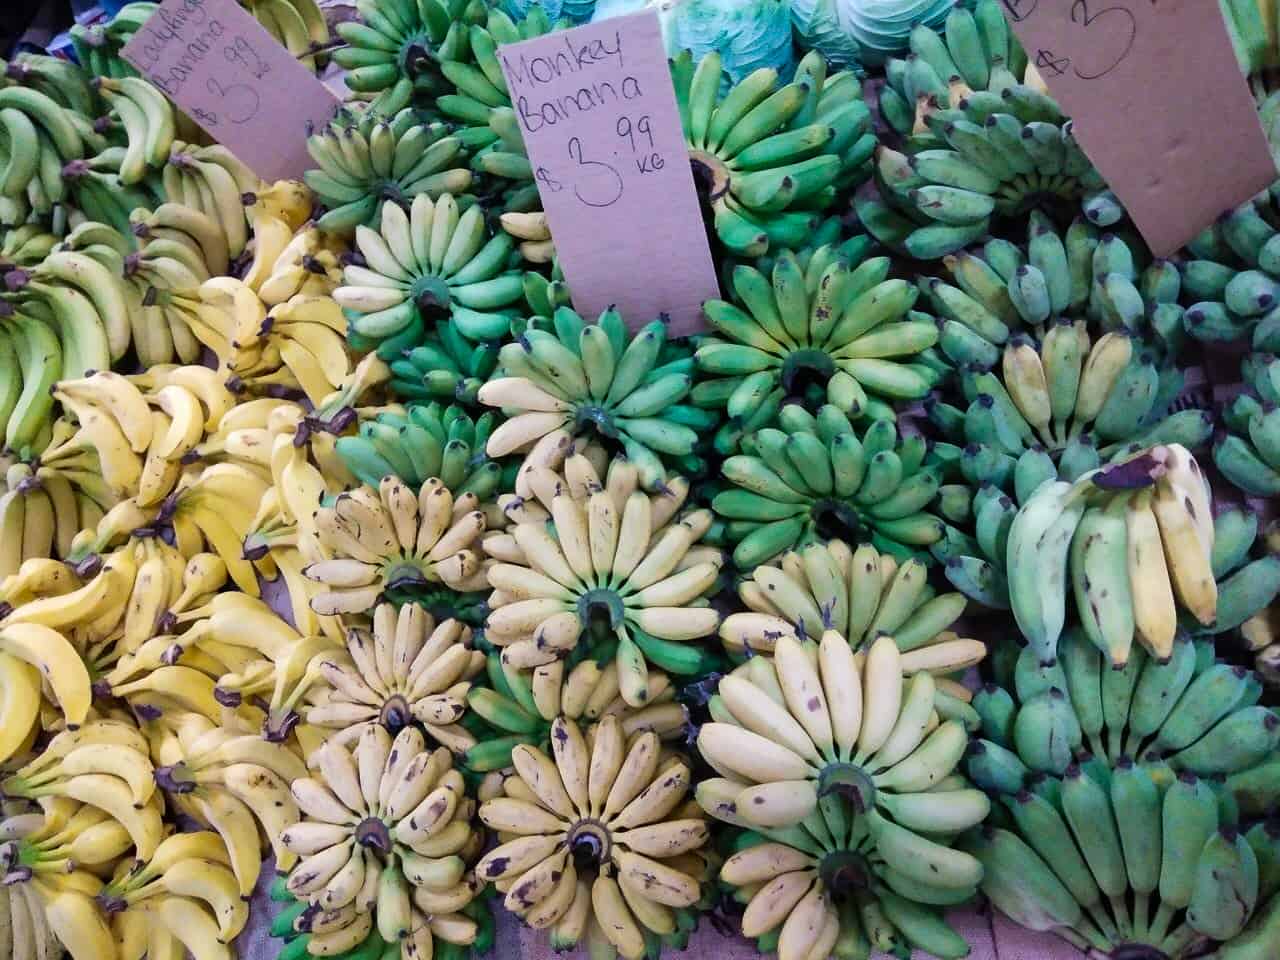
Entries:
{"x":340,"y":555}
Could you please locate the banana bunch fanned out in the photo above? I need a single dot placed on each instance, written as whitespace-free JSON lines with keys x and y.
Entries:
{"x":1248,"y":451}
{"x":999,"y":155}
{"x":813,"y":477}
{"x":599,"y":841}
{"x":390,"y":539}
{"x":47,"y":905}
{"x":1129,"y":543}
{"x":815,"y":332}
{"x":974,"y":51}
{"x":424,"y":442}
{"x":406,"y":669}
{"x":519,"y":706}
{"x":366,"y":156}
{"x":394,"y":52}
{"x":861,"y":595}
{"x":384,"y":842}
{"x":582,"y":380}
{"x":443,"y":365}
{"x":1113,"y":784}
{"x":612,"y":569}
{"x":424,"y":265}
{"x":849,"y":776}
{"x":768,"y":158}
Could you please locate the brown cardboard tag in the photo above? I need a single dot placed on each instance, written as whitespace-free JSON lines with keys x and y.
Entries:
{"x":1159,"y":105}
{"x":218,"y":64}
{"x":598,"y":114}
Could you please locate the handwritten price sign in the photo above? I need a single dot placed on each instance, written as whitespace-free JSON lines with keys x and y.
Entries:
{"x":217,"y":63}
{"x":599,"y":119}
{"x":1158,"y":102}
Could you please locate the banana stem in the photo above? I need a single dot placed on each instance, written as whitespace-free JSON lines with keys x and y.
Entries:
{"x":1121,"y":910}
{"x":1099,"y":915}
{"x":1141,"y":914}
{"x":1159,"y":928}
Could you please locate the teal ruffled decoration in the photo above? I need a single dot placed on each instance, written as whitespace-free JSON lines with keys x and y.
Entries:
{"x":847,"y":31}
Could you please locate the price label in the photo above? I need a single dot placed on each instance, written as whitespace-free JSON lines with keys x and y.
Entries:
{"x":222,"y":67}
{"x":1158,"y":104}
{"x":598,"y":113}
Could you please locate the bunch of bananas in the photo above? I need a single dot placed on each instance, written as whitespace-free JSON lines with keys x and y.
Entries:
{"x":299,"y":25}
{"x":429,"y":264}
{"x":815,"y":333}
{"x":297,"y":922}
{"x":384,"y":842}
{"x":583,"y":380}
{"x":999,"y":154}
{"x":395,"y":52}
{"x":25,"y":246}
{"x":389,"y":539}
{"x":599,"y":841}
{"x":609,"y":570}
{"x":1093,"y":836}
{"x":861,"y":595}
{"x":406,"y":669}
{"x":766,"y":157}
{"x":520,"y":706}
{"x":1134,"y":539}
{"x":1246,"y":454}
{"x":443,"y":365}
{"x":1063,"y":406}
{"x":843,"y":771}
{"x":365,"y":156}
{"x":814,"y":477}
{"x":1247,"y":588}
{"x":98,"y":46}
{"x":39,"y":517}
{"x":47,"y":905}
{"x":975,"y":51}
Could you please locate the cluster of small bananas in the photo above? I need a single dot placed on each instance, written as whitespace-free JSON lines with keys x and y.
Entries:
{"x":580,"y":380}
{"x":861,"y":595}
{"x":431,"y":263}
{"x":767,"y":156}
{"x":1246,"y":453}
{"x":1113,"y":784}
{"x":599,"y":842}
{"x":380,"y":152}
{"x":815,"y":330}
{"x":814,"y":477}
{"x":974,"y":51}
{"x":623,"y":571}
{"x":846,"y":777}
{"x":996,"y":154}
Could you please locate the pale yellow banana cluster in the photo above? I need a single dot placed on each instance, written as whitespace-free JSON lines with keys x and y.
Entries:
{"x":404,"y":669}
{"x":599,"y":841}
{"x":384,"y":840}
{"x":860,"y":594}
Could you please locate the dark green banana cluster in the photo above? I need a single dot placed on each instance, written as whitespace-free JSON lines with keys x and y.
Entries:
{"x":428,"y":441}
{"x":1248,"y":579}
{"x":770,"y":159}
{"x":98,"y":46}
{"x":1248,"y":451}
{"x":975,"y":51}
{"x":292,"y":924}
{"x":397,"y":48}
{"x":1115,"y":802}
{"x":443,"y":366}
{"x":817,"y":331}
{"x":378,"y":152}
{"x":1001,"y":153}
{"x":815,"y":477}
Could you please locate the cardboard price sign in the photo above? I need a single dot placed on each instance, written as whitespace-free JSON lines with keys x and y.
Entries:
{"x":1158,"y":104}
{"x":598,"y":113}
{"x":222,"y":67}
